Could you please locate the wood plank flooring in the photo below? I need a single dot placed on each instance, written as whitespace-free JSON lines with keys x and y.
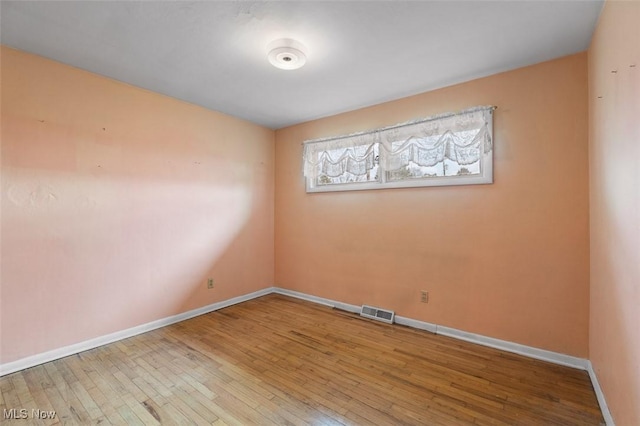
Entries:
{"x":278,"y":360}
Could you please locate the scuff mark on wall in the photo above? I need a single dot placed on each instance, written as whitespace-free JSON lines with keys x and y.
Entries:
{"x":32,"y":194}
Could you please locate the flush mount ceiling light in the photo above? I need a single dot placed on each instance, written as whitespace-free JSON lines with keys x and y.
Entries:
{"x":287,"y":54}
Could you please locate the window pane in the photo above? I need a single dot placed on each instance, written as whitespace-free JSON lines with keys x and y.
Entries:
{"x":448,"y":149}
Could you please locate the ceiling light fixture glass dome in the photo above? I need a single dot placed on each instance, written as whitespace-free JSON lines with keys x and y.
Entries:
{"x":287,"y":54}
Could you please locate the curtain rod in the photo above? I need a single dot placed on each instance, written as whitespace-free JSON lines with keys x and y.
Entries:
{"x":491,"y":108}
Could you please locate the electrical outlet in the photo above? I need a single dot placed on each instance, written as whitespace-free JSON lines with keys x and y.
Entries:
{"x":424,"y":296}
{"x":210,"y":283}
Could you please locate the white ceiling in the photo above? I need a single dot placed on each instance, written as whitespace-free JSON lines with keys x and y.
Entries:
{"x":361,"y":53}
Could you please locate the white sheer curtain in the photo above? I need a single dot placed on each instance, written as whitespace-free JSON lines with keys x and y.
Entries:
{"x":353,"y":154}
{"x":461,"y":137}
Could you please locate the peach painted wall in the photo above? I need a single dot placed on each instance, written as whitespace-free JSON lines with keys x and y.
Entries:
{"x":614,"y":153}
{"x":508,"y":260}
{"x":118,"y":203}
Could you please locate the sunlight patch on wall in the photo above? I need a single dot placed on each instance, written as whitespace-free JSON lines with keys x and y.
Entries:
{"x":95,"y":255}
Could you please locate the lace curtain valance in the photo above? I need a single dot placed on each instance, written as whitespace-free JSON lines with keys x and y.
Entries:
{"x":461,"y":138}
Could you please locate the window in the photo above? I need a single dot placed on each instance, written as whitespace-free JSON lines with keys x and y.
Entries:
{"x":448,"y":149}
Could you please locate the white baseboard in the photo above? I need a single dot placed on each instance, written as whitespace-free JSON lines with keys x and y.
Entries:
{"x":352,"y":308}
{"x":32,"y":361}
{"x":318,"y":300}
{"x":413,"y":323}
{"x":600,"y":395}
{"x":528,"y":351}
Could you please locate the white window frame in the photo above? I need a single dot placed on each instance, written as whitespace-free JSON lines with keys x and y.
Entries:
{"x":484,"y":177}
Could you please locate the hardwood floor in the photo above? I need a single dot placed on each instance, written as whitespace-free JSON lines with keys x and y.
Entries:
{"x":278,"y":360}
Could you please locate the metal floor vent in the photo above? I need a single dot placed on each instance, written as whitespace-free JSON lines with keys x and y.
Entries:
{"x":377,"y":314}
